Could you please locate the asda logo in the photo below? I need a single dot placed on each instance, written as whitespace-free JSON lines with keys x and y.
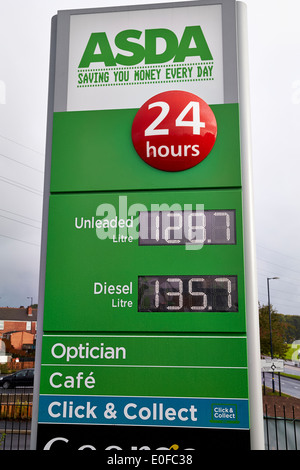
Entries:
{"x":154,"y":56}
{"x":192,"y":44}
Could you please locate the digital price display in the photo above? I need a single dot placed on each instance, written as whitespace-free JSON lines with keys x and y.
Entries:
{"x":214,"y":227}
{"x":187,"y":294}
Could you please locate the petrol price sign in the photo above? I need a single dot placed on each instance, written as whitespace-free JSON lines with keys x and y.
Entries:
{"x":146,"y":277}
{"x":132,"y":251}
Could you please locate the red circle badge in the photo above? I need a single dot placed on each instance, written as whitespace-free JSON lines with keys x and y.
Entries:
{"x":174,"y":131}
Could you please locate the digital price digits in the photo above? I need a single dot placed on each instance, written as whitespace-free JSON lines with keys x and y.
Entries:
{"x":214,"y":227}
{"x":187,"y":294}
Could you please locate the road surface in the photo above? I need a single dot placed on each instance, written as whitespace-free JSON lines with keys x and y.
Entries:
{"x":288,"y":386}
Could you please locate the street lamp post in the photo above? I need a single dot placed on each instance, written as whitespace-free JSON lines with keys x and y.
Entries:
{"x":270,"y":322}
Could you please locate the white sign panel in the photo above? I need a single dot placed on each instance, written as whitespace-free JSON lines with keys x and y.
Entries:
{"x":272,"y":365}
{"x":119,"y":60}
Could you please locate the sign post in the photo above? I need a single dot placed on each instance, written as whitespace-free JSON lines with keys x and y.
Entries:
{"x":147,"y":317}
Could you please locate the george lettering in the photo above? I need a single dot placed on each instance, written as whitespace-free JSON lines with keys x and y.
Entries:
{"x":116,"y":459}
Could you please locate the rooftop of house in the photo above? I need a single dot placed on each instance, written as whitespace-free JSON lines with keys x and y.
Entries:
{"x":18,"y":314}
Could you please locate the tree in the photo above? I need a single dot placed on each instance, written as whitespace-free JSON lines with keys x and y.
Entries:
{"x":293,"y":331}
{"x":279,"y":332}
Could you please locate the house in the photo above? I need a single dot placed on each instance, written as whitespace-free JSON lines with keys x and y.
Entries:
{"x":19,"y":326}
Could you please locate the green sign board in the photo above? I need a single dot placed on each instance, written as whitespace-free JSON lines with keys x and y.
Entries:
{"x":105,"y":277}
{"x":144,"y":299}
{"x":97,"y":163}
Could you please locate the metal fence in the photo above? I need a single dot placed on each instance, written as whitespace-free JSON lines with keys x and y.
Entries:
{"x":15,"y":419}
{"x":281,"y":432}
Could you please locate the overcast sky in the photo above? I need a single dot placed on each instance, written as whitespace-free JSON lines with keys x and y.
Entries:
{"x":274,"y":48}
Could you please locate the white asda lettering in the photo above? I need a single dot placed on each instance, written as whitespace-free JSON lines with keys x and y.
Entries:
{"x":57,"y":440}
